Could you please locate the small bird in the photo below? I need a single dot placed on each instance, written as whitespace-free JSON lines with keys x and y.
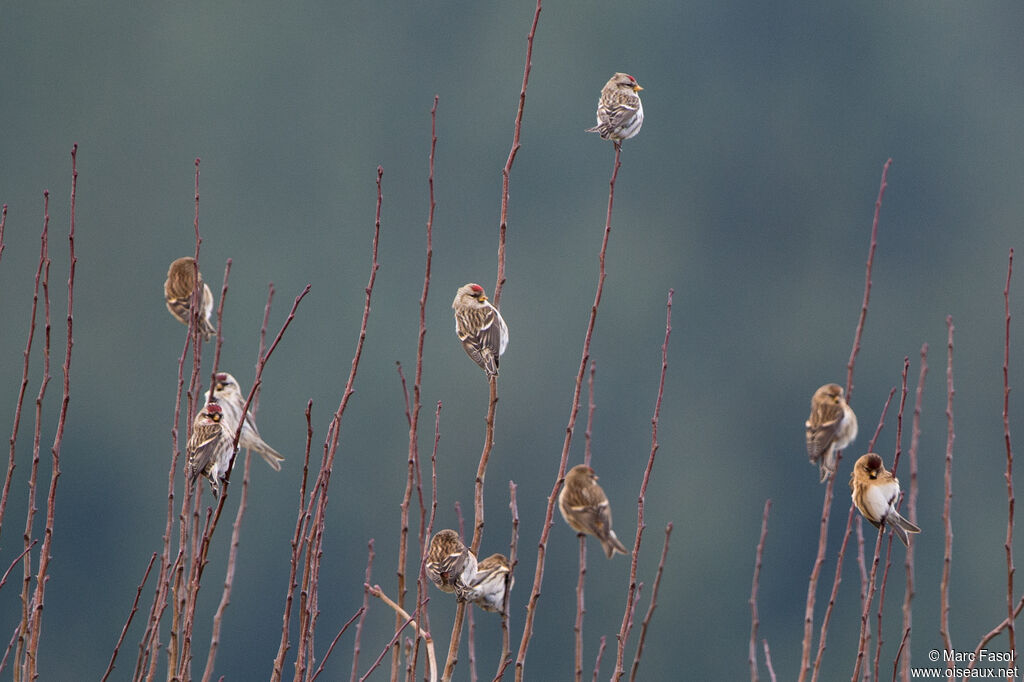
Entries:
{"x":181,"y":282}
{"x":619,"y":111}
{"x":450,"y":565}
{"x":480,"y":327}
{"x":228,"y":395}
{"x":492,"y":580}
{"x":831,"y":427}
{"x":875,"y":492}
{"x":209,"y":447}
{"x":585,"y":508}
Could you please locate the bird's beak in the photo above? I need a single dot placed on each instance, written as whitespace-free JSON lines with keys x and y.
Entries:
{"x":482,"y":299}
{"x":637,"y":88}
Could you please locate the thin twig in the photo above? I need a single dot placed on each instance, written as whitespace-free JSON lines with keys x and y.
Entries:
{"x":538,"y":577}
{"x":654,"y":601}
{"x":600,"y":655}
{"x":580,"y":605}
{"x":1010,"y":499}
{"x":768,"y":660}
{"x":128,"y":622}
{"x":507,"y":170}
{"x":358,"y":614}
{"x":356,"y":646}
{"x":427,"y":639}
{"x":862,"y":648}
{"x":947,"y":557}
{"x":752,"y":649}
{"x":631,"y":595}
{"x":908,"y":560}
{"x":513,"y":559}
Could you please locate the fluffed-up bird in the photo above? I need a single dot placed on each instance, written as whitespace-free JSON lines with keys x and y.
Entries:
{"x":875,"y":492}
{"x":178,"y":288}
{"x":492,"y":580}
{"x":480,"y":327}
{"x":209,"y":447}
{"x":831,"y":427}
{"x":585,"y":508}
{"x":450,"y":565}
{"x":228,"y":394}
{"x":619,"y":111}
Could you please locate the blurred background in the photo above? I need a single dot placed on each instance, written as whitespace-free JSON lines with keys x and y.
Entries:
{"x":749,"y":191}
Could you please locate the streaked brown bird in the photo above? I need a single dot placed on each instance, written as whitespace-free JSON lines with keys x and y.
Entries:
{"x":831,"y":427}
{"x":228,"y":394}
{"x":209,"y":447}
{"x":585,"y":508}
{"x":492,"y":580}
{"x":875,"y":492}
{"x":178,"y":288}
{"x":619,"y":111}
{"x":450,"y":565}
{"x":480,"y":327}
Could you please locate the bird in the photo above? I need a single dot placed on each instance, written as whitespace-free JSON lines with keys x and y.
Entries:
{"x":228,"y":394}
{"x":492,"y":580}
{"x":831,"y":427}
{"x":178,"y":289}
{"x":875,"y":492}
{"x":480,"y":327}
{"x":450,"y":565}
{"x":209,"y":447}
{"x":619,"y":111}
{"x":585,"y":508}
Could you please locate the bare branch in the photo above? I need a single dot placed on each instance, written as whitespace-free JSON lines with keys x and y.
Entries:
{"x":752,"y":649}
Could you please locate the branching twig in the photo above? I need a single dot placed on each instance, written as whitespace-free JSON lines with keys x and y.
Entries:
{"x":627,"y":616}
{"x":131,"y":614}
{"x":538,"y":577}
{"x":908,"y":560}
{"x":356,"y":646}
{"x":1010,"y":500}
{"x":423,"y":634}
{"x":654,"y":598}
{"x":946,"y":520}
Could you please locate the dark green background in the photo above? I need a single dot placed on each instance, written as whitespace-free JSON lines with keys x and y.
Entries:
{"x":749,"y":191}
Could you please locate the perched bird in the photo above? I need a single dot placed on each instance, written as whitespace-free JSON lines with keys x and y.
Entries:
{"x":228,"y":395}
{"x":584,"y":507}
{"x":875,"y":492}
{"x":831,"y":427}
{"x":492,"y":580}
{"x":619,"y":111}
{"x":450,"y":564}
{"x":181,"y":281}
{"x":209,"y":447}
{"x":480,"y":327}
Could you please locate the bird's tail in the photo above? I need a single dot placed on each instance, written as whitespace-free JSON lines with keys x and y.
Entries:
{"x":612,"y":545}
{"x":271,"y":456}
{"x":901,"y":527}
{"x":827,"y":464}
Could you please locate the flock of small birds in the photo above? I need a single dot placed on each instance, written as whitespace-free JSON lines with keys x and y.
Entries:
{"x":450,"y":565}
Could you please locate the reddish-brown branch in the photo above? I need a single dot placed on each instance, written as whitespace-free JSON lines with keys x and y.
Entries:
{"x":947,"y":557}
{"x":580,"y":605}
{"x":513,"y":554}
{"x":641,"y":525}
{"x":1010,"y":499}
{"x":407,"y":620}
{"x":128,"y":622}
{"x":357,"y":645}
{"x":754,"y":622}
{"x":358,"y":614}
{"x":812,"y":583}
{"x":768,"y":660}
{"x":507,"y":170}
{"x":600,"y":655}
{"x":654,"y":599}
{"x":862,"y":647}
{"x":591,"y":407}
{"x":3,"y":223}
{"x":908,"y":560}
{"x":538,"y":577}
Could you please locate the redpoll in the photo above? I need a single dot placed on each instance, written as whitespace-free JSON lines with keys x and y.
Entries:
{"x":831,"y":427}
{"x":585,"y":508}
{"x":480,"y":327}
{"x":178,"y":288}
{"x":875,"y":492}
{"x":209,"y":447}
{"x":228,"y":395}
{"x":619,"y":111}
{"x":492,"y":580}
{"x":450,"y":565}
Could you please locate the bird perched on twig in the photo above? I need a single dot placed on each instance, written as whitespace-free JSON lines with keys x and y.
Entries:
{"x":875,"y":492}
{"x":619,"y":111}
{"x":488,"y":587}
{"x":228,"y":395}
{"x":831,"y":427}
{"x":178,"y":288}
{"x":209,"y":447}
{"x":585,"y":508}
{"x":480,"y":327}
{"x":450,"y":565}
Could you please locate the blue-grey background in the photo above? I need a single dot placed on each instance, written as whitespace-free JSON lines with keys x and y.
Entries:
{"x":750,"y":191}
